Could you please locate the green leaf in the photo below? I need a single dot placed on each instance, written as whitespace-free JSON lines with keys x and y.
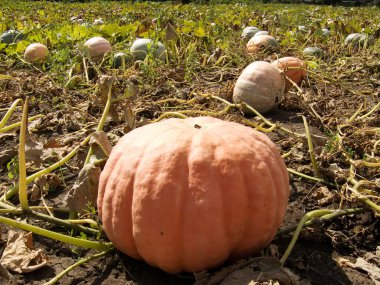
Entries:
{"x":21,"y":46}
{"x":312,"y":64}
{"x":200,"y":32}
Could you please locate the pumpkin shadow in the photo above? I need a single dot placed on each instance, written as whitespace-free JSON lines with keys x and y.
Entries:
{"x":144,"y":274}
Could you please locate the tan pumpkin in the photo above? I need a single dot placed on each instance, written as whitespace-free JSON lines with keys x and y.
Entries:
{"x":293,"y":68}
{"x":188,"y":194}
{"x":260,"y":85}
{"x":36,"y":52}
{"x":262,"y":43}
{"x":97,"y":47}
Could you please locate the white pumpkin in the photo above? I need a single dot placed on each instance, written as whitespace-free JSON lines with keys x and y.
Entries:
{"x":141,"y":47}
{"x":97,"y":47}
{"x":261,"y":86}
{"x":357,"y":39}
{"x":249,"y":32}
{"x":264,"y":43}
{"x":36,"y":52}
{"x":260,"y":33}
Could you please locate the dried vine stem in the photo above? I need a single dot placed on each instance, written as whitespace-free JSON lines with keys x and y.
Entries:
{"x":56,"y":236}
{"x":47,"y":170}
{"x":9,"y":113}
{"x":311,"y":148}
{"x":80,"y":262}
{"x":323,"y":214}
{"x":23,"y":196}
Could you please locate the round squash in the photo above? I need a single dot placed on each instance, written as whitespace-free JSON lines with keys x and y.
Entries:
{"x":119,"y":59}
{"x":98,"y":22}
{"x":189,"y":194}
{"x":97,"y":47}
{"x":259,"y":33}
{"x":36,"y":52}
{"x":249,"y":32}
{"x":313,"y":51}
{"x":141,"y":47}
{"x":264,"y":43}
{"x":260,"y":85}
{"x":325,"y":32}
{"x":302,"y":29}
{"x":357,"y":39}
{"x":11,"y":36}
{"x":293,"y":68}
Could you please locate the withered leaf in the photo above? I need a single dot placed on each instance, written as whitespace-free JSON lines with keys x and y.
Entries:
{"x":105,"y":86}
{"x":19,"y":254}
{"x":42,"y":185}
{"x":170,"y":32}
{"x":85,"y":188}
{"x":4,"y":273}
{"x":101,"y":147}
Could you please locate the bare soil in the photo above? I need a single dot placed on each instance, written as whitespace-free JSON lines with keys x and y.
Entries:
{"x":319,"y":254}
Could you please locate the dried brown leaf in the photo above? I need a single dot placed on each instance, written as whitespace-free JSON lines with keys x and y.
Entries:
{"x":105,"y":86}
{"x":42,"y":185}
{"x":371,"y":266}
{"x":4,"y":273}
{"x":170,"y":32}
{"x":19,"y":254}
{"x":101,"y":147}
{"x":85,"y":189}
{"x":130,"y":118}
{"x":324,"y":196}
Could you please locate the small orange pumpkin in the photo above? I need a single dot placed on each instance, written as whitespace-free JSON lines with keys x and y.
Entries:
{"x":188,"y":194}
{"x":293,"y":68}
{"x":36,"y":52}
{"x":263,"y":43}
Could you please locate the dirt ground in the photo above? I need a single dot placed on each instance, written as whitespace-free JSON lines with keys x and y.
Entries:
{"x":323,"y":252}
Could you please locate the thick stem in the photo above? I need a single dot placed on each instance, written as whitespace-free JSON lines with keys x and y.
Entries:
{"x":336,"y":214}
{"x":102,"y":119}
{"x":315,"y":179}
{"x":311,"y":148}
{"x":18,"y":124}
{"x":56,"y":236}
{"x":9,"y":113}
{"x":307,"y":217}
{"x":23,"y":196}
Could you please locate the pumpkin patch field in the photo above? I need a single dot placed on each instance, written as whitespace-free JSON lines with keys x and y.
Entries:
{"x":168,"y":143}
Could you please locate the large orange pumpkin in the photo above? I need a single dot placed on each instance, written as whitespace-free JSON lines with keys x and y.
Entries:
{"x":188,"y":194}
{"x":293,"y":68}
{"x":260,"y":85}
